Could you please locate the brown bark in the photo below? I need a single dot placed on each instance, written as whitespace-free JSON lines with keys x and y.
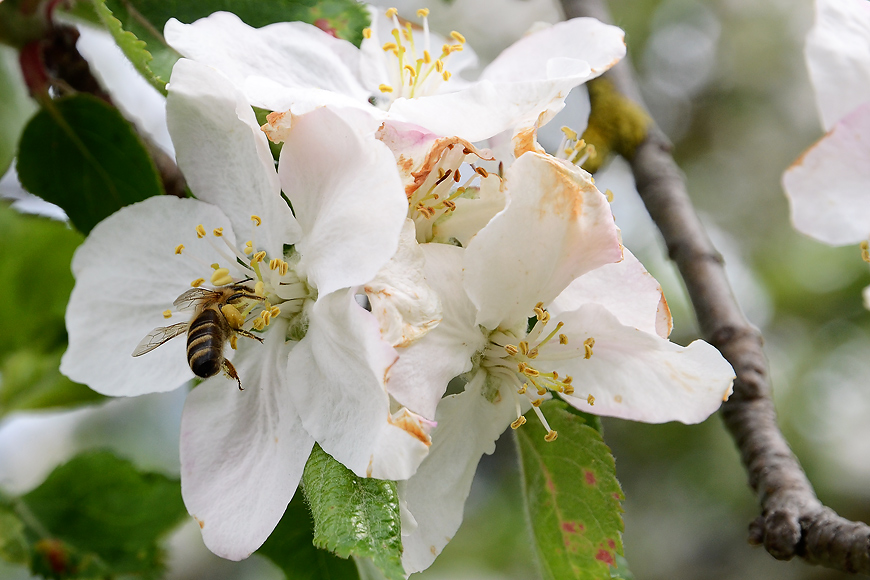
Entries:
{"x":793,"y":522}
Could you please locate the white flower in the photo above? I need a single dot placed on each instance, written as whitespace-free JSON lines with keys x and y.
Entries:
{"x":828,"y":185}
{"x":401,"y":73}
{"x":319,"y":374}
{"x":598,"y":338}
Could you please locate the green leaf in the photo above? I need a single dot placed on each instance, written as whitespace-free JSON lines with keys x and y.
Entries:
{"x":291,"y":548}
{"x":572,"y":496}
{"x":31,"y":380}
{"x":16,"y":106}
{"x":354,"y":515}
{"x":99,"y":515}
{"x":14,"y":547}
{"x":82,"y":155}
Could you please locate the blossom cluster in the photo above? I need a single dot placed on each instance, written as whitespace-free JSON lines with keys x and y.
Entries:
{"x":387,"y":254}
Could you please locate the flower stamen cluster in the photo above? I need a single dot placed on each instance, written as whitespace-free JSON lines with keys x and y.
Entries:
{"x":413,"y":73}
{"x":574,"y":149}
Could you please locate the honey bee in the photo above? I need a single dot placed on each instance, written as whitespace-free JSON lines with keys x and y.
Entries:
{"x":215,"y":321}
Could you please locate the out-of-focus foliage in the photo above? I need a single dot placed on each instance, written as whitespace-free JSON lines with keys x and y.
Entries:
{"x":95,"y":516}
{"x":354,"y":516}
{"x":36,"y":253}
{"x":291,"y":548}
{"x":82,"y":155}
{"x":572,"y":495}
{"x":16,"y":109}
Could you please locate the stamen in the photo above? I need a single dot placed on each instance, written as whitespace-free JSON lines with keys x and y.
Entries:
{"x":457,"y":37}
{"x":200,"y":231}
{"x":257,"y":220}
{"x":587,"y":345}
{"x":258,"y":257}
{"x":385,"y":88}
{"x":178,"y":249}
{"x":590,"y":399}
{"x":367,"y":33}
{"x":865,"y":251}
{"x":519,"y":422}
{"x":197,"y":283}
{"x":563,"y":339}
{"x":422,"y":13}
{"x":221,"y":277}
{"x":609,"y":195}
{"x":167,"y":314}
{"x":551,"y":435}
{"x":392,"y":12}
{"x":218,"y":232}
{"x":249,"y":247}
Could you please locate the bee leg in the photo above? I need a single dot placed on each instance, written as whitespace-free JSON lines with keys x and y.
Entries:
{"x":230,"y":370}
{"x":249,"y":334}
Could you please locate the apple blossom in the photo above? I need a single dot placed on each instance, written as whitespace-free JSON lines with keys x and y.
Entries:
{"x":827,"y":185}
{"x":599,"y":325}
{"x":319,"y":373}
{"x":403,"y":74}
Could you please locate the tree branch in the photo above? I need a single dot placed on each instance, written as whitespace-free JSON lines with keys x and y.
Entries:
{"x":793,"y":521}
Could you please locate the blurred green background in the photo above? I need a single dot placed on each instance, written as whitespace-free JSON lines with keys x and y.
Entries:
{"x":727,"y":82}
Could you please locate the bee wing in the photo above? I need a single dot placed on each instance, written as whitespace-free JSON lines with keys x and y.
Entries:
{"x":158,"y":336}
{"x":192,"y":297}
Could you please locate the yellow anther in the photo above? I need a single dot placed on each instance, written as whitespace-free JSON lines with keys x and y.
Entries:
{"x":609,"y":195}
{"x":865,"y":251}
{"x":457,"y":37}
{"x":591,"y":151}
{"x":568,"y":380}
{"x":218,"y":232}
{"x":392,"y":12}
{"x":519,"y":422}
{"x":411,"y":70}
{"x":568,"y":390}
{"x":533,"y":353}
{"x":385,"y":88}
{"x":167,"y":314}
{"x":537,"y":402}
{"x":563,"y":339}
{"x":524,"y":347}
{"x":179,"y":248}
{"x":197,"y":283}
{"x":256,"y":219}
{"x":259,"y":288}
{"x":550,"y":437}
{"x":200,"y":231}
{"x":275,"y":311}
{"x":389,"y":46}
{"x":234,"y":342}
{"x":367,"y":32}
{"x":259,"y":324}
{"x":570,"y":133}
{"x":249,"y":247}
{"x":427,"y":58}
{"x":579,"y":145}
{"x":422,"y":13}
{"x":590,"y":399}
{"x":266,"y":316}
{"x":446,"y":75}
{"x":221,"y":277}
{"x":481,"y":171}
{"x":439,"y":65}
{"x":587,"y":345}
{"x":541,"y":390}
{"x":215,"y":266}
{"x":522,"y":390}
{"x":233,"y":316}
{"x":259,"y":257}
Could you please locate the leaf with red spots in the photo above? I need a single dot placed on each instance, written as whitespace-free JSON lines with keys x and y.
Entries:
{"x":572,"y":496}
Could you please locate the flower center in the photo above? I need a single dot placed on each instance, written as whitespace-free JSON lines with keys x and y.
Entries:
{"x":516,"y":360}
{"x":413,"y":72}
{"x":444,"y":184}
{"x":273,"y":279}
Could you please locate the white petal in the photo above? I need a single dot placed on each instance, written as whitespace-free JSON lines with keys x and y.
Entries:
{"x":336,"y":375}
{"x":242,"y":452}
{"x":471,"y":214}
{"x":827,"y":185}
{"x":127,"y":274}
{"x":347,"y":196}
{"x":557,"y":226}
{"x":277,"y":97}
{"x":838,"y":56}
{"x":468,"y":426}
{"x":420,"y":376}
{"x":599,"y":46}
{"x":639,"y":375}
{"x":626,"y":289}
{"x":225,"y":157}
{"x":405,"y":306}
{"x":293,"y":54}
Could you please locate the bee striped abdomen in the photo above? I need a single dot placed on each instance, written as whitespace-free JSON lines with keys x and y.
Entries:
{"x":205,"y":341}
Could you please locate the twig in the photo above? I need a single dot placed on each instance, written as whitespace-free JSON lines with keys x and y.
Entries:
{"x":793,"y":521}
